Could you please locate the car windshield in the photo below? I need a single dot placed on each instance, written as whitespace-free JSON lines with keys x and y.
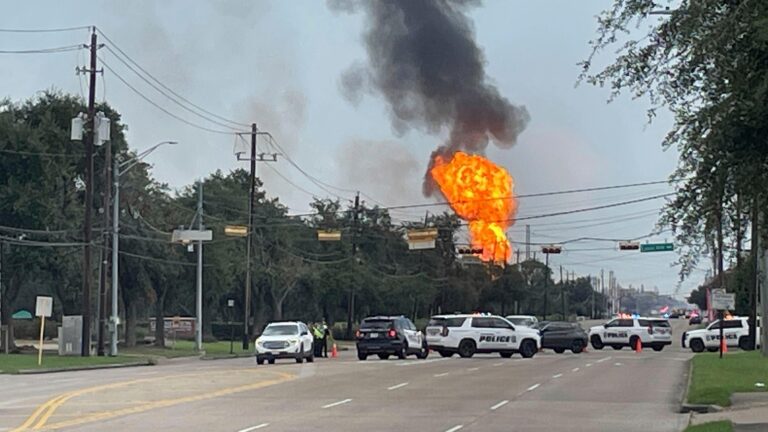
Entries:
{"x":281,"y":330}
{"x":376,"y":324}
{"x":523,"y":321}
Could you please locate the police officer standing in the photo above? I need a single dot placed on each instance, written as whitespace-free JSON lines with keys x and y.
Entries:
{"x":326,"y":334}
{"x":317,"y":334}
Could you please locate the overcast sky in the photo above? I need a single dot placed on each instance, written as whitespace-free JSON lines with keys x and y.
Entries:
{"x":278,"y":63}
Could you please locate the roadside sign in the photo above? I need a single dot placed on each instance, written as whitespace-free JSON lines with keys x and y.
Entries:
{"x":723,"y":300}
{"x":657,"y":247}
{"x":44,"y":306}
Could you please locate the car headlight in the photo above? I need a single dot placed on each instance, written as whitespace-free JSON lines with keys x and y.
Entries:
{"x":293,"y":341}
{"x":259,"y":342}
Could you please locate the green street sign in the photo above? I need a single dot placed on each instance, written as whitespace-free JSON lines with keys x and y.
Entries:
{"x":657,"y":247}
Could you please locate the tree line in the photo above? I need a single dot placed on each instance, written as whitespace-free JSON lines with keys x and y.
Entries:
{"x":295,"y":276}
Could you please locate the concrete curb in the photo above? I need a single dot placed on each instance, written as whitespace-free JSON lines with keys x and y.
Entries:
{"x":147,"y":362}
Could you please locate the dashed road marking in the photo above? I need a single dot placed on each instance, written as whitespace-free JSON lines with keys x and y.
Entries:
{"x":395,"y":387}
{"x":603,"y":359}
{"x":557,"y":376}
{"x":455,"y":428}
{"x":263,"y":425}
{"x":472,"y":369}
{"x":575,"y":370}
{"x":441,"y":374}
{"x":499,"y":405}
{"x":498,"y":364}
{"x":588,"y":364}
{"x":617,"y":364}
{"x":533,"y":387}
{"x":341,"y":402}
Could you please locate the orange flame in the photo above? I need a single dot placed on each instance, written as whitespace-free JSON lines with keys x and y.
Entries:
{"x":482,"y":193}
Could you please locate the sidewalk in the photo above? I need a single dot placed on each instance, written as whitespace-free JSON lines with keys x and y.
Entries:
{"x":748,"y":412}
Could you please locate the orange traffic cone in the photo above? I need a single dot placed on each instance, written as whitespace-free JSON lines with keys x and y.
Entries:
{"x":638,"y":346}
{"x":334,"y":352}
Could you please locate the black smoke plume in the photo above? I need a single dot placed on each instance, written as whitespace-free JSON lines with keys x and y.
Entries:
{"x":422,"y":57}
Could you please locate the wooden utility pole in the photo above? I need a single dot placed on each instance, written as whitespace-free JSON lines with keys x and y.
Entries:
{"x":89,"y":142}
{"x":249,"y":242}
{"x":351,"y":301}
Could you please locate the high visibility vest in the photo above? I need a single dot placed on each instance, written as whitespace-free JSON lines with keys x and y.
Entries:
{"x":318,"y":333}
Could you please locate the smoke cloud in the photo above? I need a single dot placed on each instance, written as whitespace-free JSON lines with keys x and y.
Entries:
{"x":423,"y":59}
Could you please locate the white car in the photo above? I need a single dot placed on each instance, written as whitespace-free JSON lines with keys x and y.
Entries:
{"x":617,"y":333}
{"x":529,"y":321}
{"x":470,"y":334}
{"x":289,"y":339}
{"x":735,"y":332}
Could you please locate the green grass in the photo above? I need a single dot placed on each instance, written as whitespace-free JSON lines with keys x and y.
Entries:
{"x":185,"y":348}
{"x":714,"y":379}
{"x":720,"y":426}
{"x":12,"y":363}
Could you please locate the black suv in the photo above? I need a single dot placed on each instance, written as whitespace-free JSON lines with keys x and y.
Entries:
{"x":561,"y":336}
{"x":390,"y":335}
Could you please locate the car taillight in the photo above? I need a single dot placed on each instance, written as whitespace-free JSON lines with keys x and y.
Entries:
{"x":392,"y":333}
{"x":444,"y":333}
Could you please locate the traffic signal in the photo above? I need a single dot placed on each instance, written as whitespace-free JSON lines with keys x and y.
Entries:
{"x":469,"y":251}
{"x":551,"y":249}
{"x":629,"y":245}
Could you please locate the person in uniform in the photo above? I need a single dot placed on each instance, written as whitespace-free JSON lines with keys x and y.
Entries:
{"x":326,"y":334}
{"x":317,"y":335}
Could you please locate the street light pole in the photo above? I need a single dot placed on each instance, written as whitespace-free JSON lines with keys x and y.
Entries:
{"x":114,"y":320}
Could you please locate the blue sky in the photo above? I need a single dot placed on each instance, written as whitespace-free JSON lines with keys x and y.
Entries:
{"x":278,"y":63}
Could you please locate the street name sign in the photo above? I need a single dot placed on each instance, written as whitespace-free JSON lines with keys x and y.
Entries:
{"x":656,"y":247}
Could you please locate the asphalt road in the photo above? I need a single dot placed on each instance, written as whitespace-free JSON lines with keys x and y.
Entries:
{"x":594,"y":391}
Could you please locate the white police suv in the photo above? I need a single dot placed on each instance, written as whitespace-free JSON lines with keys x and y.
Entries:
{"x":735,"y":332}
{"x":470,"y":334}
{"x":655,"y":333}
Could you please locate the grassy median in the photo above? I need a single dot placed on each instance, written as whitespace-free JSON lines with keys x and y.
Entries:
{"x":714,"y":380}
{"x":720,"y":426}
{"x":13,"y":363}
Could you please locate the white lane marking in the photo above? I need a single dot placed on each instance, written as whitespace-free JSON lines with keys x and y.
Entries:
{"x":533,"y":387}
{"x":441,"y":374}
{"x":557,"y":376}
{"x":455,"y":428}
{"x":575,"y":370}
{"x":603,"y":359}
{"x":588,"y":364}
{"x":498,"y":364}
{"x":419,"y":362}
{"x":263,"y":425}
{"x":342,"y":402}
{"x":499,"y":405}
{"x":395,"y":387}
{"x":472,"y":369}
{"x":617,"y":364}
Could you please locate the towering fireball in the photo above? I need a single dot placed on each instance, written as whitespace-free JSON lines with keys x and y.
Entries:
{"x":481,"y":193}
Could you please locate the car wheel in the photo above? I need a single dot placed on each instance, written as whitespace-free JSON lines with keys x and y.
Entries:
{"x":617,"y":347}
{"x":527,"y":348}
{"x":597,"y":343}
{"x":505,"y":354}
{"x":271,"y":361}
{"x":424,"y":353}
{"x":744,"y":343}
{"x":577,"y":346}
{"x":300,"y":355}
{"x":403,"y":352}
{"x":445,"y":354}
{"x":697,"y":345}
{"x":658,"y":348}
{"x":467,"y":348}
{"x":311,"y":357}
{"x":558,"y":350}
{"x":259,"y":360}
{"x":383,"y":356}
{"x":361,"y":356}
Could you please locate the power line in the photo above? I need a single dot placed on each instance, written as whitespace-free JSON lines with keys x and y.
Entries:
{"x":35,"y":243}
{"x":163,"y":85}
{"x":153,"y":103}
{"x":41,"y":154}
{"x":51,"y":30}
{"x":290,"y":182}
{"x":160,"y":90}
{"x":53,"y":50}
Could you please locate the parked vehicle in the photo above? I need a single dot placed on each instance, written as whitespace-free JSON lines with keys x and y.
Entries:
{"x":390,"y":335}
{"x":655,"y":333}
{"x":470,"y":334}
{"x":561,"y":336}
{"x":735,"y":332}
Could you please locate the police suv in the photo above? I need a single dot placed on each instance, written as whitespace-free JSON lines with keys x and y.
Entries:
{"x":735,"y":332}
{"x":655,"y":333}
{"x":470,"y":334}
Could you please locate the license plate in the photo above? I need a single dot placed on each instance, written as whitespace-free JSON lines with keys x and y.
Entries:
{"x":373,"y":335}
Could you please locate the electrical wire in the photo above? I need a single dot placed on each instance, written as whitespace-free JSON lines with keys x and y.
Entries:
{"x":41,"y":154}
{"x":52,"y":30}
{"x":53,"y":50}
{"x":156,"y":105}
{"x":116,"y":47}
